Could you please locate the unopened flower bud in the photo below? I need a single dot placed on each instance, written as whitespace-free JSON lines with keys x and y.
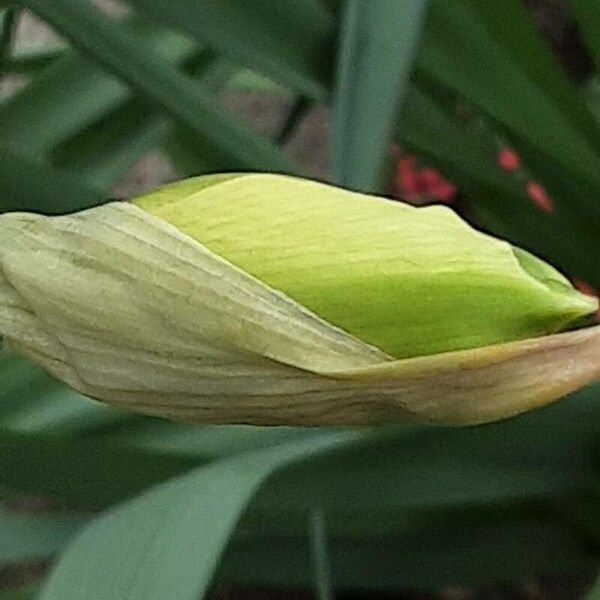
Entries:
{"x":257,"y":298}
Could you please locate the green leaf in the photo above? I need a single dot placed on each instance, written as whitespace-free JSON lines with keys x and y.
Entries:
{"x":31,"y":401}
{"x":34,"y":186}
{"x":55,"y":442}
{"x":109,"y":43}
{"x":204,"y":443}
{"x":245,"y":80}
{"x":542,"y":455}
{"x":320,"y":555}
{"x":298,"y":110}
{"x":470,"y":46}
{"x":83,"y":470}
{"x":57,"y":410}
{"x":288,"y":40}
{"x":29,"y":536}
{"x":103,"y":152}
{"x":377,"y":46}
{"x":168,"y":542}
{"x":190,"y":154}
{"x":29,"y":592}
{"x":8,"y":24}
{"x":31,"y":62}
{"x":438,"y":553}
{"x":73,"y":93}
{"x":546,"y":454}
{"x":588,"y":19}
{"x":84,"y":120}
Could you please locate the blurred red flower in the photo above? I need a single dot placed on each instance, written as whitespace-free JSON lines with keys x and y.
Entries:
{"x":419,"y":185}
{"x":538,"y":194}
{"x":508,"y":159}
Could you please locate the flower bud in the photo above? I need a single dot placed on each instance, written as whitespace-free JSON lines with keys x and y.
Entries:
{"x":409,"y":281}
{"x":267,"y":299}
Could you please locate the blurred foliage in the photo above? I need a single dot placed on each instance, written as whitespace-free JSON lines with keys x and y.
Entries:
{"x":160,"y":510}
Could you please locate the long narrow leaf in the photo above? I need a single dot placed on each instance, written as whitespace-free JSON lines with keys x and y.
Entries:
{"x":168,"y":542}
{"x":289,"y":40}
{"x":73,"y":93}
{"x":33,"y":402}
{"x":377,"y":47}
{"x":29,"y":62}
{"x":588,"y":17}
{"x":103,"y":152}
{"x":190,"y":154}
{"x":8,"y":23}
{"x":83,"y":471}
{"x":25,"y":536}
{"x":113,"y":47}
{"x":29,"y":185}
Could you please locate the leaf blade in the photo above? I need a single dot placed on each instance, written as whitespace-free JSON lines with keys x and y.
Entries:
{"x":30,"y":185}
{"x":378,"y":43}
{"x":114,"y":48}
{"x":121,"y":556}
{"x":286,"y":39}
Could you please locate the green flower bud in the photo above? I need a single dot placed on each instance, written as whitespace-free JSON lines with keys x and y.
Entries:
{"x":409,"y":281}
{"x":274,"y":300}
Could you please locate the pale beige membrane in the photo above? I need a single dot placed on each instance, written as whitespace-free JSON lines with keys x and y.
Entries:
{"x":127,"y":309}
